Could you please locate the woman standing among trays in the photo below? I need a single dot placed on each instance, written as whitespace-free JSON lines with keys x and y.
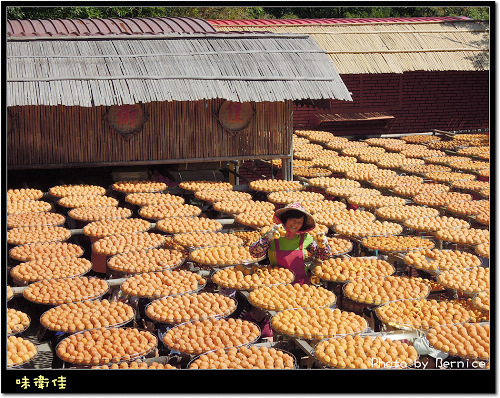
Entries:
{"x":288,"y":242}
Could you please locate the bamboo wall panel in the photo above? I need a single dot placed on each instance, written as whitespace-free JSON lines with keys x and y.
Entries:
{"x":53,"y":136}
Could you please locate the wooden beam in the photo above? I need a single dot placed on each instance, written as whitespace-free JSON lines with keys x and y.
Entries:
{"x":153,"y":55}
{"x":178,"y":77}
{"x":424,"y":50}
{"x":376,"y":32}
{"x":352,"y":117}
{"x":142,"y":162}
{"x":174,"y":36}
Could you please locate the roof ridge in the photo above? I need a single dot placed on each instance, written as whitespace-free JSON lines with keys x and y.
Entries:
{"x":105,"y":26}
{"x":333,"y":21}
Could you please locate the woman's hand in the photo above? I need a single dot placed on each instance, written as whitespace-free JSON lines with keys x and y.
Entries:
{"x":321,"y":239}
{"x":276,"y":231}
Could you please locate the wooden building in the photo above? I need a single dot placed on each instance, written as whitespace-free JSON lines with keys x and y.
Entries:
{"x":406,"y":75}
{"x":156,"y":91}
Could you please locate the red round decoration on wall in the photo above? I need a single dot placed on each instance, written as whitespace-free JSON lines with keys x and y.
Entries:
{"x":126,"y":119}
{"x":235,"y":116}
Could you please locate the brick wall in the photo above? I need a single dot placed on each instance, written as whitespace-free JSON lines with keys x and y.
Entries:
{"x":260,"y":168}
{"x":419,"y":101}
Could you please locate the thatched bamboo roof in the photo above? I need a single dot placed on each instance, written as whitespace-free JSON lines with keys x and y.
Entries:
{"x":391,"y":47}
{"x":114,"y":69}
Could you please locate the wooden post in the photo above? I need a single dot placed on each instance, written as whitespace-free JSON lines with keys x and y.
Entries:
{"x":287,"y":169}
{"x":240,"y":162}
{"x":233,"y":178}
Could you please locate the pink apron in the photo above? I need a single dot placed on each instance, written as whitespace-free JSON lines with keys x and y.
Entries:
{"x":293,"y":260}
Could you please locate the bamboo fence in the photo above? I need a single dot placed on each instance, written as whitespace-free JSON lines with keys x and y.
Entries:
{"x":174,"y":132}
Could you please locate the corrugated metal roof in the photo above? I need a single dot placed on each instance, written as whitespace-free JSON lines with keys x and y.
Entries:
{"x":327,"y":21}
{"x":105,"y":26}
{"x":102,"y":71}
{"x":389,"y":45}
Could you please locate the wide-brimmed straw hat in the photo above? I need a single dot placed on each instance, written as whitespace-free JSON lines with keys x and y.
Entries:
{"x":309,"y":223}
